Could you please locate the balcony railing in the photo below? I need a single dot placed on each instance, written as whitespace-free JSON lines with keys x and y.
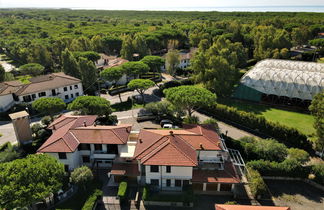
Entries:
{"x":212,"y":160}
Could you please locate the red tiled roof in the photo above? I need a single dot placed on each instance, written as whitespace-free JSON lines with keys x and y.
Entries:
{"x":122,"y":169}
{"x":68,"y":134}
{"x":247,"y":207}
{"x":174,"y":152}
{"x":175,"y":147}
{"x":228,"y":175}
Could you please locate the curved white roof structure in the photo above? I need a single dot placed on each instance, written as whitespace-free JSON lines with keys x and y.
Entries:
{"x":293,"y":79}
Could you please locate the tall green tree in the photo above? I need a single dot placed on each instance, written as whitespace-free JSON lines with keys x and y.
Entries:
{"x":317,"y":110}
{"x":172,"y":61}
{"x":127,"y":49}
{"x":82,"y":176}
{"x":301,"y":35}
{"x":2,"y":73}
{"x":28,"y":180}
{"x":112,"y":44}
{"x":89,"y":75}
{"x":154,"y":62}
{"x":49,"y":106}
{"x":91,"y":105}
{"x":140,"y":85}
{"x":97,"y":43}
{"x":140,"y":46}
{"x":90,"y":55}
{"x":70,"y":65}
{"x":190,"y":97}
{"x":135,"y":68}
{"x":33,"y":69}
{"x":113,"y":74}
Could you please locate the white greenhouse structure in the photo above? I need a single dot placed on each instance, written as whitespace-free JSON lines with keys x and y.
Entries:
{"x":282,"y":81}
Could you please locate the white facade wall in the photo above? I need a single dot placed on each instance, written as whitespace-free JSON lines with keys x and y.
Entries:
{"x":71,"y":92}
{"x":72,"y":159}
{"x":6,"y":101}
{"x":177,"y":172}
{"x":121,"y":81}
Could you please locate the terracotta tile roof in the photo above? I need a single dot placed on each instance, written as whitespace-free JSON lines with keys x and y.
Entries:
{"x":175,"y":147}
{"x":47,"y":82}
{"x":122,"y":169}
{"x":68,"y":134}
{"x":112,"y":61}
{"x":78,"y":121}
{"x":102,"y":134}
{"x":173,"y":152}
{"x":228,"y":175}
{"x":247,"y":207}
{"x":9,"y":87}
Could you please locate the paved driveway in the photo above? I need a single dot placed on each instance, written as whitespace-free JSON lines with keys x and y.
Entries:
{"x":8,"y":133}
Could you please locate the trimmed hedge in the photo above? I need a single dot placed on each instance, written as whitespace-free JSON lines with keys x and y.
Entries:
{"x":89,"y":204}
{"x":146,"y":192}
{"x":122,"y":190}
{"x":288,"y":168}
{"x":291,"y":137}
{"x":256,"y":183}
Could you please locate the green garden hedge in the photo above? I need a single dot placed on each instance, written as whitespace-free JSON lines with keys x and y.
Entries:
{"x":89,"y":204}
{"x":122,"y":190}
{"x":291,"y":137}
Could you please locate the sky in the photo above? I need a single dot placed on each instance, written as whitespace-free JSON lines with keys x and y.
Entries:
{"x":153,"y":4}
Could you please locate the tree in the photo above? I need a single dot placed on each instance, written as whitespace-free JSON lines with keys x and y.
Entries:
{"x":317,"y":110}
{"x":89,"y":75}
{"x":112,"y":44}
{"x":82,"y":176}
{"x":33,"y":69}
{"x":49,"y":106}
{"x":140,"y":85}
{"x":301,"y":35}
{"x":2,"y":73}
{"x":140,"y":46}
{"x":161,"y":109}
{"x":127,"y":49}
{"x":190,"y":97}
{"x":91,"y":105}
{"x":154,"y":62}
{"x":172,"y":61}
{"x":135,"y":68}
{"x":90,"y":55}
{"x":28,"y":180}
{"x":298,"y":154}
{"x":70,"y":65}
{"x":113,"y":74}
{"x":97,"y":44}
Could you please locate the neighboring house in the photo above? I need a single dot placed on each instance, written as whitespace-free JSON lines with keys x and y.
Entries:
{"x":77,"y":140}
{"x":171,"y":159}
{"x":185,"y":58}
{"x":51,"y":85}
{"x":106,"y":62}
{"x":247,"y":207}
{"x":320,"y":35}
{"x":7,"y":91}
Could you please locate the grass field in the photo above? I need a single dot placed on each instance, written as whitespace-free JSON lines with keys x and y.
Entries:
{"x":301,"y":121}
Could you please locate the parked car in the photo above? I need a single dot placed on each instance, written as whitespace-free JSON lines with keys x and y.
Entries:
{"x":165,"y":122}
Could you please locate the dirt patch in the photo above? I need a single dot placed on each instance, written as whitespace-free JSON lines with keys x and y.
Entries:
{"x":296,"y":194}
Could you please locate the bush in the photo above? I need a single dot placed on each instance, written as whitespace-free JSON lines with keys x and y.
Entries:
{"x":146,"y":193}
{"x":291,"y":137}
{"x":256,"y":183}
{"x":5,"y":146}
{"x":298,"y":154}
{"x":122,"y":189}
{"x":82,"y":176}
{"x":46,"y":120}
{"x":318,"y":171}
{"x":89,"y":204}
{"x":191,"y":120}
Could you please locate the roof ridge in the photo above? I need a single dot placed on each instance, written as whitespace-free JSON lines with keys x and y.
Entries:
{"x":150,"y":154}
{"x":183,"y":152}
{"x":149,"y":146}
{"x":113,"y":130}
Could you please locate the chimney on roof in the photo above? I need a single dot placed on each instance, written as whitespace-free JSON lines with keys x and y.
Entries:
{"x":171,"y":133}
{"x":54,"y":127}
{"x":140,"y":141}
{"x":201,"y":146}
{"x":95,"y":124}
{"x":84,"y":124}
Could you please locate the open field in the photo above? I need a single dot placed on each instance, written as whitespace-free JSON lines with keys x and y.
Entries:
{"x":301,"y":121}
{"x":296,"y":194}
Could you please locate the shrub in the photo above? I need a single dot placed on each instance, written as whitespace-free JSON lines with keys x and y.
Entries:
{"x":318,"y":171}
{"x":46,"y":120}
{"x":298,"y":154}
{"x":89,"y":204}
{"x":5,"y":146}
{"x":146,"y":193}
{"x":256,"y":183}
{"x":122,"y":190}
{"x":82,"y":176}
{"x":48,"y":105}
{"x":191,"y":120}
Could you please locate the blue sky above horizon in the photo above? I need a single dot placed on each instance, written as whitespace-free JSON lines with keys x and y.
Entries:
{"x":151,"y":4}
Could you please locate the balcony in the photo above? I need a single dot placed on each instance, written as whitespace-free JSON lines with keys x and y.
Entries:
{"x":103,"y":155}
{"x":219,"y":159}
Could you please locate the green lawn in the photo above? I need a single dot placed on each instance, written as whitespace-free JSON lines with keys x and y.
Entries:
{"x":301,"y":121}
